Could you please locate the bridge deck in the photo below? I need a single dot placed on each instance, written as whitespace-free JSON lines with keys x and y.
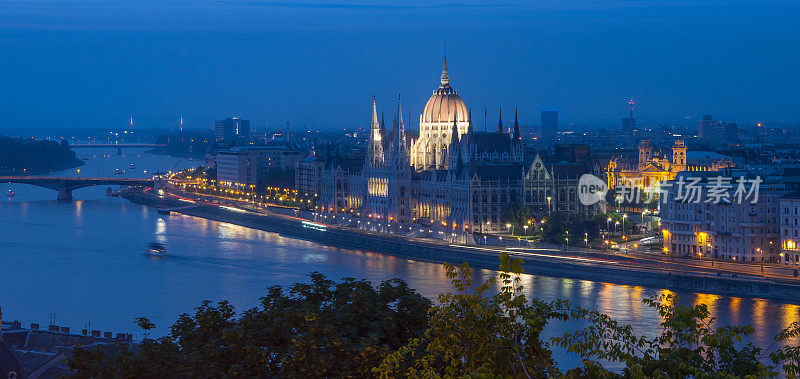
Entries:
{"x":111,"y":145}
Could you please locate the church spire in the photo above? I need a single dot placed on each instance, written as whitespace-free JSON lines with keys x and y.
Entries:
{"x":469,"y":122}
{"x":454,"y":137}
{"x":375,"y":148}
{"x":399,"y":127}
{"x":500,"y":122}
{"x":516,"y":127}
{"x":374,"y":123}
{"x":382,"y":130}
{"x":445,"y":75}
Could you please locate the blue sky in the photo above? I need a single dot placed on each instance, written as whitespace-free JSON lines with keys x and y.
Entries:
{"x":93,"y":63}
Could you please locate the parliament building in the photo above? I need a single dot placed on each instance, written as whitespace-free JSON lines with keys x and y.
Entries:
{"x":448,"y":176}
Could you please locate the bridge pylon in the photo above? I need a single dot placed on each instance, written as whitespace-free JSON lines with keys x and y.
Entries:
{"x":64,"y":193}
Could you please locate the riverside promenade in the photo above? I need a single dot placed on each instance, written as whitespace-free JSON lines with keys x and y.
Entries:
{"x":549,"y":262}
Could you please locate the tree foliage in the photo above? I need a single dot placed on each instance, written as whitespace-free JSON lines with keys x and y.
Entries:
{"x":474,"y":334}
{"x":479,"y":330}
{"x":317,"y":329}
{"x":689,"y":345}
{"x":25,"y":156}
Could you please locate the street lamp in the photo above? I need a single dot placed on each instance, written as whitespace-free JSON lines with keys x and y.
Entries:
{"x":586,"y":238}
{"x":509,"y":226}
{"x":624,"y":215}
{"x":548,"y":204}
{"x":526,"y":229}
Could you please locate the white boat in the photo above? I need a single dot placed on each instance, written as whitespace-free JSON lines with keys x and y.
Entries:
{"x":10,"y":194}
{"x":132,"y":167}
{"x":117,"y":172}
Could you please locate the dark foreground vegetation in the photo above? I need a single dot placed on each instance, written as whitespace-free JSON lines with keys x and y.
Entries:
{"x":20,"y":156}
{"x":352,"y":329}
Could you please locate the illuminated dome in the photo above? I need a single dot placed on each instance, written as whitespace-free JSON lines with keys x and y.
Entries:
{"x":445,"y":103}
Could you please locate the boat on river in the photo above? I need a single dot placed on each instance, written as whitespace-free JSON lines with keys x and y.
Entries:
{"x":10,"y":194}
{"x":156,"y":249}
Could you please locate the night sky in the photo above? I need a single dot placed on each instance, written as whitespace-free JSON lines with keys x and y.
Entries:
{"x":91,"y":64}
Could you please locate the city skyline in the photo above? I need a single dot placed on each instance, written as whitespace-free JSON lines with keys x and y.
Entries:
{"x":321,"y":63}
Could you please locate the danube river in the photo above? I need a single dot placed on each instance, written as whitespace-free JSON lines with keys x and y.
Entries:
{"x":84,"y":262}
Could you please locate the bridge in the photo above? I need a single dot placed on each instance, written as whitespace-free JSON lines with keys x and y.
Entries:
{"x":65,"y":186}
{"x":118,"y":146}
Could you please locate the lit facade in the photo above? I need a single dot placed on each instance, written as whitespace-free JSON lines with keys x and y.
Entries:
{"x":790,"y":228}
{"x":727,"y":230}
{"x":449,"y":177}
{"x":653,"y":168}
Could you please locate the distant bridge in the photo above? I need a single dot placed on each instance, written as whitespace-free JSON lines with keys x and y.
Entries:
{"x":64,"y":186}
{"x":118,"y":146}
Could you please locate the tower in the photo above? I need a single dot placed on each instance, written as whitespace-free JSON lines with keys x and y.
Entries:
{"x":549,"y":127}
{"x":454,"y":148}
{"x":399,"y":181}
{"x":516,"y":141}
{"x":678,"y":156}
{"x":500,"y":122}
{"x":630,"y":103}
{"x":443,"y":108}
{"x":375,"y":156}
{"x":629,"y":123}
{"x":645,"y":152}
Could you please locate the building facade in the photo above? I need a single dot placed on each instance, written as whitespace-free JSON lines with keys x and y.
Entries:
{"x":789,"y":206}
{"x":232,"y":130}
{"x":251,"y":165}
{"x":653,"y":167}
{"x":448,"y":177}
{"x":551,"y":184}
{"x":726,"y":230}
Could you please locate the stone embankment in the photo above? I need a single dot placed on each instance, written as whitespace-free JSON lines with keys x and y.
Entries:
{"x":534,"y":263}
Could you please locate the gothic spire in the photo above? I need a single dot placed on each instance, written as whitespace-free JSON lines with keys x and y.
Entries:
{"x":459,"y":161}
{"x":454,"y":137}
{"x":469,"y":121}
{"x":500,"y":122}
{"x":445,"y":75}
{"x":516,"y":127}
{"x":383,"y":130}
{"x":399,"y":128}
{"x":374,"y":123}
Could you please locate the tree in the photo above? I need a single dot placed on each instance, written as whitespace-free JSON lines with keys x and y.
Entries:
{"x":689,"y":345}
{"x":472,"y":333}
{"x":317,"y":329}
{"x":518,"y":215}
{"x":145,"y":325}
{"x":352,"y":329}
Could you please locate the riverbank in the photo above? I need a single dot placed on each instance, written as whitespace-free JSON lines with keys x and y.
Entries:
{"x":542,"y":263}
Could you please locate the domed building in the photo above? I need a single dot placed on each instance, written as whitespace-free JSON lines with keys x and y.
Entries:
{"x":445,"y":106}
{"x":449,"y":177}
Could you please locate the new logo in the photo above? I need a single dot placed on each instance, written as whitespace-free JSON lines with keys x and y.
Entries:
{"x":591,"y":189}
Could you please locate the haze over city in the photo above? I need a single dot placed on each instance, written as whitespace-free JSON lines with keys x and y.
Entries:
{"x":96,"y":63}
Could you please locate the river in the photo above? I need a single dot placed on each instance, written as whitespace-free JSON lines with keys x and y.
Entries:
{"x":83,"y":263}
